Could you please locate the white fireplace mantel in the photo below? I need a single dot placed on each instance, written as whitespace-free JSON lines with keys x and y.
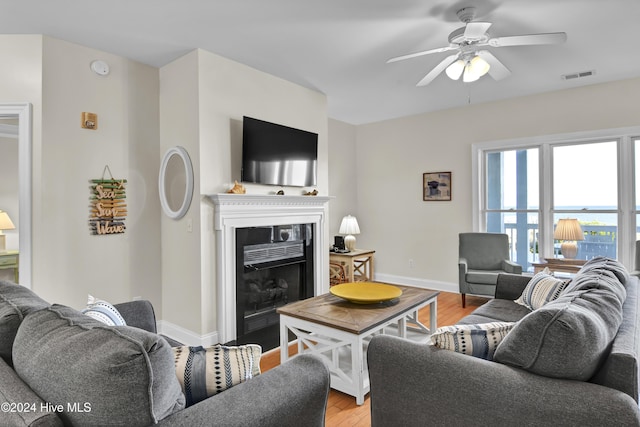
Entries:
{"x":243,"y":210}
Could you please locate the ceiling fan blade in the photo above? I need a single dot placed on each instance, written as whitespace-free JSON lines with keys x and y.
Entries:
{"x":437,"y":70}
{"x":424,"y":52}
{"x":531,"y":39}
{"x":475,"y":30}
{"x":497,"y":69}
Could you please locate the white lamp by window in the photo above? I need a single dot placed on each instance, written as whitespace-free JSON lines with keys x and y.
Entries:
{"x":5,"y":224}
{"x":349,"y":226}
{"x":568,"y":230}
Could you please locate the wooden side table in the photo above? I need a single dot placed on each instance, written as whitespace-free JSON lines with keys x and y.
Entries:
{"x":358,"y":264}
{"x":559,"y":265}
{"x":10,"y":259}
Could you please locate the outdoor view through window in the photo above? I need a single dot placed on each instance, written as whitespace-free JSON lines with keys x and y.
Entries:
{"x":583,"y":184}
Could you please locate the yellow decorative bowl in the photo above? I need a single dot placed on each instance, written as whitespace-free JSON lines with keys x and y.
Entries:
{"x":366,"y":292}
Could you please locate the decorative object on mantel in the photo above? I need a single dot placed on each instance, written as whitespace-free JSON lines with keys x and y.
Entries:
{"x":311,"y":193}
{"x":280,"y":193}
{"x":237,"y":189}
{"x":108,"y":207}
{"x":436,"y":186}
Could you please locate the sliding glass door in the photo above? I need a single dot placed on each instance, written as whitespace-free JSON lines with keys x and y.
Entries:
{"x":512,"y":200}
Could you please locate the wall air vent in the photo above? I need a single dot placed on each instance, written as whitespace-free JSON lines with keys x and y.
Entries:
{"x":578,"y":75}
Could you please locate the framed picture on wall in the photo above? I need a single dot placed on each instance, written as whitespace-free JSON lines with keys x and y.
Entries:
{"x":436,"y":186}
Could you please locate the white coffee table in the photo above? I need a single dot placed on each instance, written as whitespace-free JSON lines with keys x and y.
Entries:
{"x":339,"y":331}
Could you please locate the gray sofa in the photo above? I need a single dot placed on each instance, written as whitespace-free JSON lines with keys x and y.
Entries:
{"x":60,"y":367}
{"x":416,"y":384}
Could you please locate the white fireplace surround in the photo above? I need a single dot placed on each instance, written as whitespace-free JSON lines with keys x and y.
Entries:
{"x":242,"y":210}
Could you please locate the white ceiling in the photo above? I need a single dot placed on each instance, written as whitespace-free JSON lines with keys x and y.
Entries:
{"x":340,"y":47}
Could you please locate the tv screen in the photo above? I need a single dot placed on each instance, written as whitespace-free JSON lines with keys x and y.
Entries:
{"x":274,"y":154}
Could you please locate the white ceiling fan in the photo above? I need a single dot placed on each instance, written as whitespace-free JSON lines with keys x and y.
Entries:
{"x":470,"y":60}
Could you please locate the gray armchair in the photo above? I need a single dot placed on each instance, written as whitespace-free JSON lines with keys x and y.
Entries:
{"x":482,"y":257}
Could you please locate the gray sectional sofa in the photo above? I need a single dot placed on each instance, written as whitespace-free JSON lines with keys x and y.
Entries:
{"x":60,"y":367}
{"x":572,"y":362}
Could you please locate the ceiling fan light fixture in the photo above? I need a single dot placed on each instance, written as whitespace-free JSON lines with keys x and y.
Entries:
{"x":454,"y":71}
{"x":475,"y":69}
{"x":479,"y":66}
{"x":469,"y":76}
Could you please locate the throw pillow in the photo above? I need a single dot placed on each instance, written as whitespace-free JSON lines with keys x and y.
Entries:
{"x":541,"y":289}
{"x":104,"y":312}
{"x":204,"y":372}
{"x":480,"y":340}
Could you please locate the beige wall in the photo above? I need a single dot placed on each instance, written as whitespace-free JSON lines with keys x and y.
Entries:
{"x":180,"y":126}
{"x":343,"y":177}
{"x":393,"y":155}
{"x":203,"y":99}
{"x":69,"y":262}
{"x":197,"y":102}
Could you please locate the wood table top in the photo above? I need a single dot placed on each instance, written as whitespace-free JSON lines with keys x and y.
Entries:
{"x":338,"y":313}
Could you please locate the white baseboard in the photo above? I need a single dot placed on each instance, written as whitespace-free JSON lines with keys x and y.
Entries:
{"x":186,"y":336}
{"x":418,"y":283}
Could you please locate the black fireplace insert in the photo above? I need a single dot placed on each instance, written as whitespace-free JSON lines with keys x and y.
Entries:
{"x":274,"y":268}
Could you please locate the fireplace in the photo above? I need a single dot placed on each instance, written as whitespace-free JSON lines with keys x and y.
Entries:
{"x":233,"y":212}
{"x":274,"y":267}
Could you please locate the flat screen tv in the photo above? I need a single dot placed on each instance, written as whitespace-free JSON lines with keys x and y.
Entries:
{"x":274,"y":154}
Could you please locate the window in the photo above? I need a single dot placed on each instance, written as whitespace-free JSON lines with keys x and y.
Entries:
{"x":588,"y":193}
{"x":513,"y":200}
{"x":527,"y":185}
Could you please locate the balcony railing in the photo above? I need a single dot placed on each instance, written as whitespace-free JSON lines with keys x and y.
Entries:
{"x":599,"y":240}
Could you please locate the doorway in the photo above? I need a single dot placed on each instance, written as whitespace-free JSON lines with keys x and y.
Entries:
{"x":15,"y":128}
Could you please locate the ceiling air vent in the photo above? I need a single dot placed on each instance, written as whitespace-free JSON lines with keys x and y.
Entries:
{"x":578,"y":75}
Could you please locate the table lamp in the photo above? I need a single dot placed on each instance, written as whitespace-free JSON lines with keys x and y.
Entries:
{"x":349,"y":226}
{"x":5,"y":224}
{"x":568,"y":230}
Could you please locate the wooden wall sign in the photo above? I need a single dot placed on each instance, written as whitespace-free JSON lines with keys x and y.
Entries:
{"x":108,"y":207}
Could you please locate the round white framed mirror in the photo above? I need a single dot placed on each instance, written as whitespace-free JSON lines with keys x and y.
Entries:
{"x":176,"y":182}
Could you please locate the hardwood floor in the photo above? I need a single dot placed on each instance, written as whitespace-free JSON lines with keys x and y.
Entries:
{"x":342,"y":410}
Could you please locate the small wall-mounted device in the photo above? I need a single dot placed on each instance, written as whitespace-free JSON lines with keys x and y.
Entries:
{"x":99,"y":67}
{"x":89,"y":121}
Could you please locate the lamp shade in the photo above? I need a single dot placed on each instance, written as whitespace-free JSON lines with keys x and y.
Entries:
{"x":454,"y":71}
{"x":5,"y":222}
{"x":349,"y":225}
{"x":475,"y":69}
{"x":568,"y":229}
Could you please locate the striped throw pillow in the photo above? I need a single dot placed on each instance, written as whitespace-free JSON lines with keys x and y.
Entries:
{"x":541,"y":289}
{"x":478,"y":340}
{"x":204,"y":372}
{"x":104,"y":312}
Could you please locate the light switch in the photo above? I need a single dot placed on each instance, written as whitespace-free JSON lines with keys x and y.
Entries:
{"x":89,"y":121}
